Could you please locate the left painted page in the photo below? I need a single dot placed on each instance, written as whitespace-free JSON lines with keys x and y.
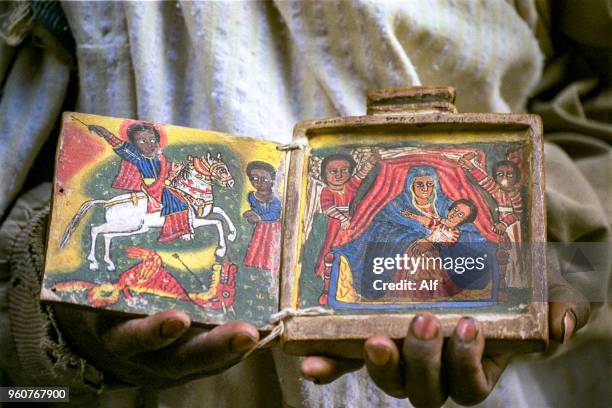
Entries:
{"x":149,"y":217}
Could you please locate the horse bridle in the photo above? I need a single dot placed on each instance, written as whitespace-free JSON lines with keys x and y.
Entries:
{"x":214,"y":171}
{"x":211,"y":170}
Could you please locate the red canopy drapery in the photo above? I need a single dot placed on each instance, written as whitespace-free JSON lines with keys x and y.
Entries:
{"x":389,"y":183}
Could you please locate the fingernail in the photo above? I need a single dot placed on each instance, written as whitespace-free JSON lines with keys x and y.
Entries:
{"x":467,"y":329}
{"x":312,"y":379}
{"x":568,"y":324}
{"x":242,"y":342}
{"x":172,"y":328}
{"x":424,"y":327}
{"x":379,"y":355}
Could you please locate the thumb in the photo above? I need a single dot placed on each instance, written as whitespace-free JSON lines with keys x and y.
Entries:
{"x":566,"y":317}
{"x":569,"y":310}
{"x":153,"y":332}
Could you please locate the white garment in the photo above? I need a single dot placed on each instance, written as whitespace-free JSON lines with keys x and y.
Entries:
{"x":257,"y":68}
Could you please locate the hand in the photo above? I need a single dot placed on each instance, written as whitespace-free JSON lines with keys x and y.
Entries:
{"x":160,"y":350}
{"x":252,"y":217}
{"x":427,"y":371}
{"x":408,"y":214}
{"x":499,"y":228}
{"x":422,"y":219}
{"x":431,"y":371}
{"x":465,"y":161}
{"x":100,"y":131}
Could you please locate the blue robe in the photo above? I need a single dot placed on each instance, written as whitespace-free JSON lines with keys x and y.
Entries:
{"x":150,"y":168}
{"x":270,"y":211}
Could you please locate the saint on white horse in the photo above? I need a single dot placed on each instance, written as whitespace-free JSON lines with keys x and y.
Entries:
{"x":176,"y":199}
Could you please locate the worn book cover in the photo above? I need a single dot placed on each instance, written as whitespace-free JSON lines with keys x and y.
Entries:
{"x":149,"y":217}
{"x":375,"y":216}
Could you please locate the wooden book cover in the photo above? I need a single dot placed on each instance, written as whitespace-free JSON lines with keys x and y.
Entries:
{"x":351,"y":230}
{"x":148,"y":217}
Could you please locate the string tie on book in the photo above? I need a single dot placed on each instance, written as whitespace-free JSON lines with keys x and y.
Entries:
{"x":279,"y":318}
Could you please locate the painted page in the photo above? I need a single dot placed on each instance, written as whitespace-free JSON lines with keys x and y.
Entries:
{"x":149,"y":217}
{"x":432,"y":221}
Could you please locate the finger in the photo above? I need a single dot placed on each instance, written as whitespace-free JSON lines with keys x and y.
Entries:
{"x":382,"y":358}
{"x":149,"y":333}
{"x":207,"y":352}
{"x":323,"y":370}
{"x":568,"y":310}
{"x":566,"y":318}
{"x":468,"y":383}
{"x":422,"y":353}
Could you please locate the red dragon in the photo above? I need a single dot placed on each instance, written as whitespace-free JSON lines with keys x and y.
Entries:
{"x":150,"y":276}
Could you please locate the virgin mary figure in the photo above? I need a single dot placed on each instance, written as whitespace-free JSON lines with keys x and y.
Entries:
{"x":392,"y":233}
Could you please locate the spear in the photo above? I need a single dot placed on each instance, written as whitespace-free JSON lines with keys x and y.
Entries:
{"x":79,"y":120}
{"x":175,"y":255}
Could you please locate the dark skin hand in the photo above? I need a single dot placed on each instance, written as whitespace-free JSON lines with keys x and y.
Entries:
{"x":422,"y":219}
{"x":428,"y":370}
{"x":252,"y":217}
{"x":499,"y":228}
{"x":160,"y":350}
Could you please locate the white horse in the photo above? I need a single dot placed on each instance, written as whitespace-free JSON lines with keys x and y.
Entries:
{"x":127,"y":215}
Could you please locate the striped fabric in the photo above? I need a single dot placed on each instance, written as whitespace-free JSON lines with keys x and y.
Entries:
{"x":43,"y":356}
